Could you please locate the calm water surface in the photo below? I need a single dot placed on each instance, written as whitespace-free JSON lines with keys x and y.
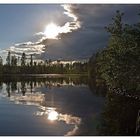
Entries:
{"x":63,"y":106}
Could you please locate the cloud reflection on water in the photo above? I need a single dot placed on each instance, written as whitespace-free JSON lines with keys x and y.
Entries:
{"x":52,"y":115}
{"x":51,"y":107}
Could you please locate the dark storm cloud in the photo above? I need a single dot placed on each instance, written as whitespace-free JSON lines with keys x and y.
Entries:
{"x":76,"y":45}
{"x":102,"y":14}
{"x":91,"y":36}
{"x":88,"y":34}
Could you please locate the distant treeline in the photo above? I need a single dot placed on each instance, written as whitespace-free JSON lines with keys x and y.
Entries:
{"x":23,"y":65}
{"x":118,"y":65}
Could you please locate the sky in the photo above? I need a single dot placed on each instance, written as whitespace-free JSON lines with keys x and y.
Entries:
{"x":76,"y":31}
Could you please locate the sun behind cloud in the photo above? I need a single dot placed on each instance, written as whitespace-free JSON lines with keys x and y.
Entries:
{"x":52,"y":31}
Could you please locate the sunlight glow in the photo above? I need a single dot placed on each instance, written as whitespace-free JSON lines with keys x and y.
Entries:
{"x":52,"y":115}
{"x":52,"y":31}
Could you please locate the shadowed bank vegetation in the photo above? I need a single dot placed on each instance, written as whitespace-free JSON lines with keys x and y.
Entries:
{"x":117,"y":68}
{"x":118,"y":65}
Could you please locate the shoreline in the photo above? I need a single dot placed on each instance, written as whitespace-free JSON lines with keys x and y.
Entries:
{"x":43,"y":75}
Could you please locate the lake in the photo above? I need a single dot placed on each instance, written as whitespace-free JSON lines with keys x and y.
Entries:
{"x":56,"y":105}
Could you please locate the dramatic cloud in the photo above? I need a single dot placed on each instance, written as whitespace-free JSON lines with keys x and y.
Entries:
{"x":53,"y":31}
{"x":28,"y":48}
{"x":91,"y":36}
{"x":80,"y":36}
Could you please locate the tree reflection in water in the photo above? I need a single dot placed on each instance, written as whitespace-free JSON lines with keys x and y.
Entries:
{"x":8,"y":88}
{"x":23,"y":88}
{"x":23,"y":91}
{"x":119,"y":116}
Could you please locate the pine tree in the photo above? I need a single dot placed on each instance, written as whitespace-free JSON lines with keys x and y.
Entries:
{"x":23,"y":59}
{"x":13,"y":61}
{"x":8,"y":59}
{"x":1,"y":61}
{"x":31,"y":61}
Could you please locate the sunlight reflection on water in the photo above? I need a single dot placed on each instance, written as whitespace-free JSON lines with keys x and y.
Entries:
{"x":53,"y":115}
{"x":36,"y":98}
{"x":50,"y":113}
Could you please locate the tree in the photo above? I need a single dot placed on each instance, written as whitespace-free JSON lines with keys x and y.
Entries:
{"x":13,"y":61}
{"x":1,"y":61}
{"x":116,"y":28}
{"x":23,"y":59}
{"x":1,"y":65}
{"x":119,"y":63}
{"x":31,"y":61}
{"x":8,"y":59}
